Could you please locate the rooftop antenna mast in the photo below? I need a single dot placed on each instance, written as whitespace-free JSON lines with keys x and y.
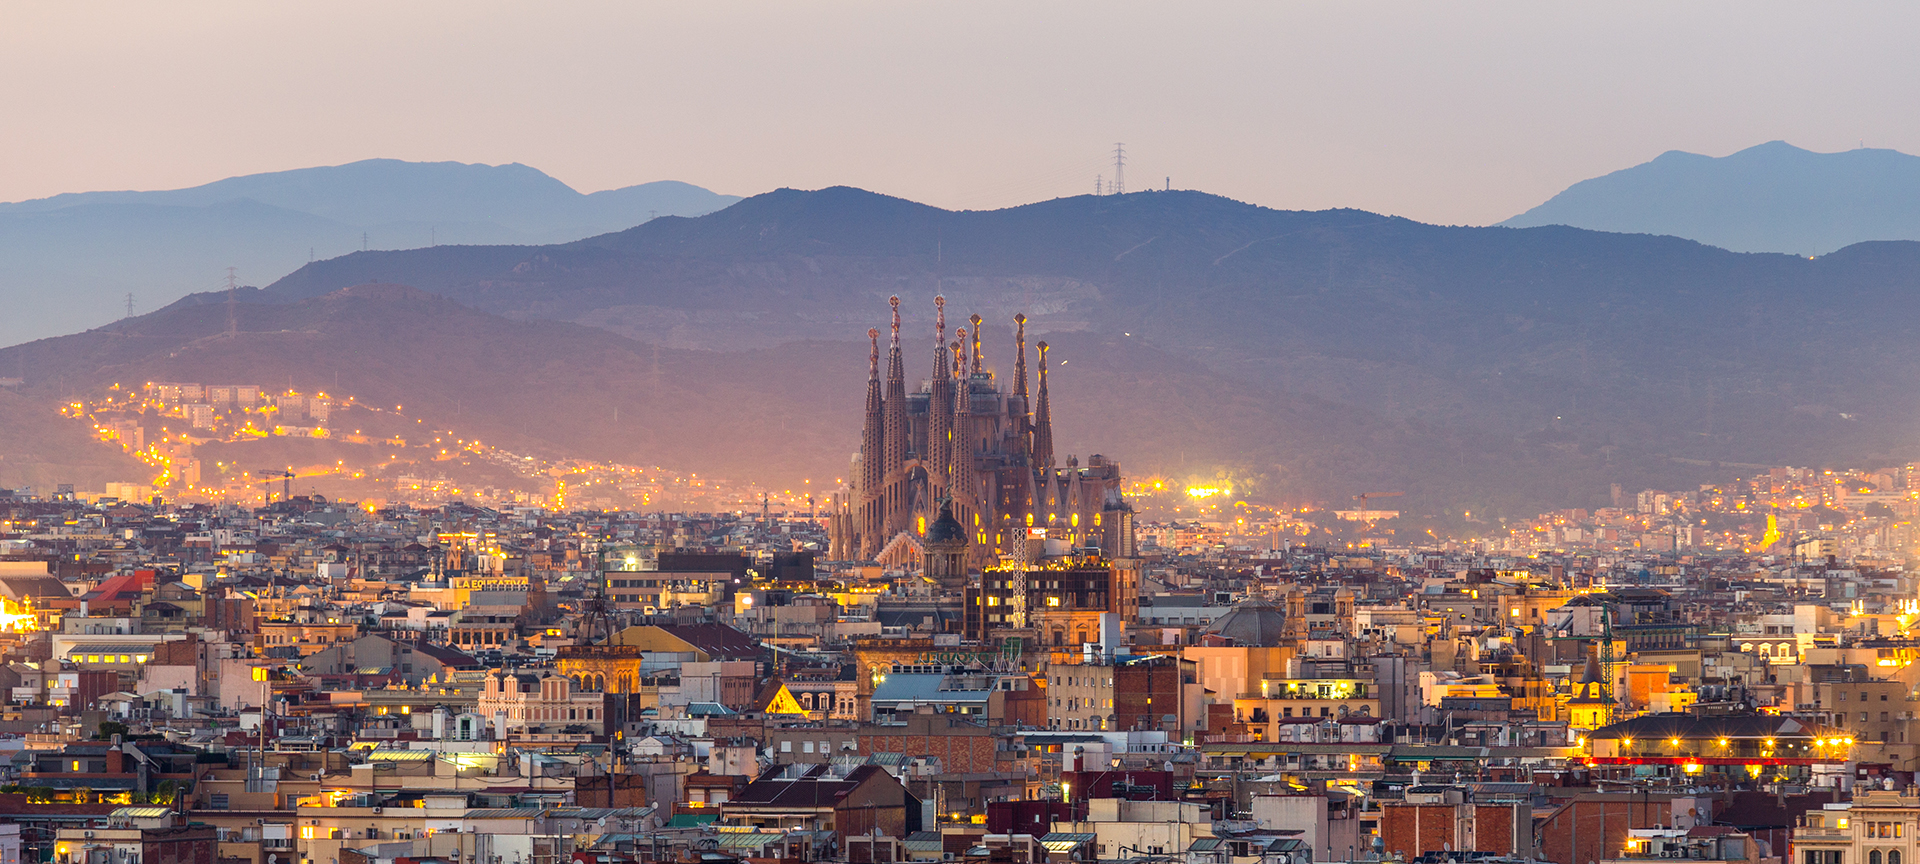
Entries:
{"x":1119,"y":169}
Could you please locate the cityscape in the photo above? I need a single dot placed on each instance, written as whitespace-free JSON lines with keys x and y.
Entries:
{"x":1070,"y":433}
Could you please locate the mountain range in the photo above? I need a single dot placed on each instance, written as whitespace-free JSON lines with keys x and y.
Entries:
{"x":1773,"y":197}
{"x":68,"y":262}
{"x":1303,"y":355}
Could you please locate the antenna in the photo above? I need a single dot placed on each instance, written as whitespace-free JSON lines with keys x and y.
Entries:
{"x":1119,"y":169}
{"x":232,"y":283}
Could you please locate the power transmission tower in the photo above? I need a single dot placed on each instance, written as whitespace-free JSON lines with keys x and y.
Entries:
{"x":1119,"y":169}
{"x":129,"y":304}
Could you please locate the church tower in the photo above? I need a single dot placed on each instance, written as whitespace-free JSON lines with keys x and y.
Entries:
{"x":869,"y":519}
{"x":894,"y":426}
{"x":939,"y":450}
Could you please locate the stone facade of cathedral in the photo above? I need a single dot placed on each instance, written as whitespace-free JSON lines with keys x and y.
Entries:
{"x":971,"y":442}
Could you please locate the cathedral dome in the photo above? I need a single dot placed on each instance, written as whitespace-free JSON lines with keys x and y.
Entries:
{"x":946,"y":529}
{"x":1255,"y":623}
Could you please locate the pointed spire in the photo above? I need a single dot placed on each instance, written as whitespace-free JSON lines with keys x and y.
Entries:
{"x":940,"y":402}
{"x":977,"y":356}
{"x":961,"y":480}
{"x":895,"y":429}
{"x":960,"y":370}
{"x":1020,"y":358}
{"x":1042,"y":420}
{"x":867,"y":520}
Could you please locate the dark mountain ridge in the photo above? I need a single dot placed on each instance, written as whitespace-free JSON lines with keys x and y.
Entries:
{"x":1310,"y":355}
{"x":1657,"y":344}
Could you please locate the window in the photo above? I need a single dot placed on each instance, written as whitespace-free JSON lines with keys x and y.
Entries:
{"x":786,"y":746}
{"x":1873,"y":857}
{"x":218,"y":801}
{"x":807,"y":747}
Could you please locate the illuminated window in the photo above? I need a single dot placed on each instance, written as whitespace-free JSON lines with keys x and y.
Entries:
{"x":140,"y":658}
{"x":93,"y":658}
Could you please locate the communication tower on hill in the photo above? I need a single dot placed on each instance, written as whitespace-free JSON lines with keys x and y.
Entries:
{"x":232,"y":284}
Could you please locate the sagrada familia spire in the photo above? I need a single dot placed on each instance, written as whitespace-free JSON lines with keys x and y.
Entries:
{"x":964,"y":450}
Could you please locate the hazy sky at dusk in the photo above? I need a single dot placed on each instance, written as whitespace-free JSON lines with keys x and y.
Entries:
{"x":1444,"y":112}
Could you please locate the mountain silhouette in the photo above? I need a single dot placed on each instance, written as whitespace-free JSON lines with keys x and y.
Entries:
{"x":1308,"y":355}
{"x":1566,"y":355}
{"x":1774,"y":197}
{"x":67,"y":262}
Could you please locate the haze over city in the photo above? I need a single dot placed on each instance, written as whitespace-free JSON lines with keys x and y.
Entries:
{"x":987,"y":433}
{"x":1451,"y":114}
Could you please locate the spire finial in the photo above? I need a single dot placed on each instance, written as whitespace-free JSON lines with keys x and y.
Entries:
{"x":960,"y":333}
{"x":894,"y":301}
{"x":977,"y":369}
{"x":939,"y":319}
{"x":1020,"y":360}
{"x":873,"y":357}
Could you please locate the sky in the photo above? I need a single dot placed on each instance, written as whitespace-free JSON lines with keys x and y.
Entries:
{"x":1453,"y":113}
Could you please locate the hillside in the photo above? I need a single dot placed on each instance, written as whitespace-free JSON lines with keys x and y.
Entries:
{"x":70,"y":260}
{"x":770,"y":415}
{"x":1608,"y":347}
{"x":1770,"y":198}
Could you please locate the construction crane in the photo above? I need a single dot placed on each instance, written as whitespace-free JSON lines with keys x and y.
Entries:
{"x":286,"y":479}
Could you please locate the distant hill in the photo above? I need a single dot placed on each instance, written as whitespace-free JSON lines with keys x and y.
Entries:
{"x":67,"y":262}
{"x":777,"y":415}
{"x":1330,"y":352}
{"x":1771,"y":198}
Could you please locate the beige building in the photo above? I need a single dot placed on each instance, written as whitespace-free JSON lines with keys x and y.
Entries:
{"x":1876,"y":828}
{"x":527,"y":699}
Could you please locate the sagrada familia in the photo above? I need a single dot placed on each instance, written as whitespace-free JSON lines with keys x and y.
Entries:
{"x":963,"y":453}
